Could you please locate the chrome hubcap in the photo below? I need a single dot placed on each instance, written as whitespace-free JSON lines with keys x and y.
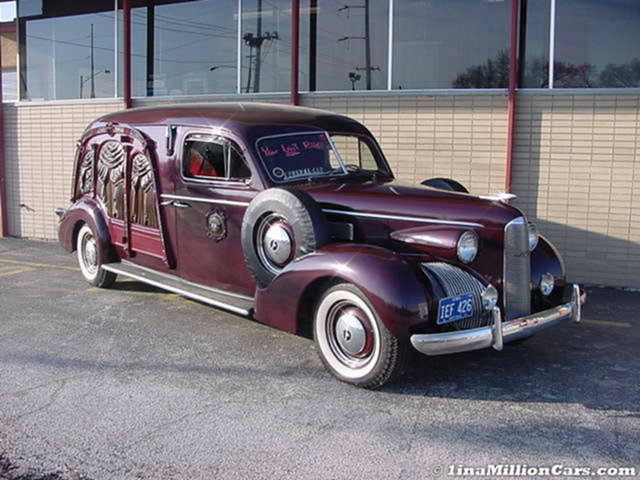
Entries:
{"x":351,"y":334}
{"x":90,"y":254}
{"x":275,"y":244}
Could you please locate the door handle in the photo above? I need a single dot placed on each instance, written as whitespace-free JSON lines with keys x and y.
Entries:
{"x":175,"y":203}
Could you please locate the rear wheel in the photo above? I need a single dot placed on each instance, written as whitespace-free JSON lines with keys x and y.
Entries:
{"x":353,"y":343}
{"x":90,"y":257}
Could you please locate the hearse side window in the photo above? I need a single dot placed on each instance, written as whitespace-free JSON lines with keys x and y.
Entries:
{"x":206,"y":159}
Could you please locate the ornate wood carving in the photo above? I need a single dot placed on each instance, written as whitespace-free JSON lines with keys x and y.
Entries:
{"x":143,"y":193}
{"x":111,"y":164}
{"x":85,"y":183}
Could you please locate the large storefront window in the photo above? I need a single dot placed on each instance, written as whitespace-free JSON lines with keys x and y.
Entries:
{"x":534,"y":43}
{"x":451,"y":44}
{"x":67,"y":50}
{"x":344,"y":45}
{"x":266,"y":46}
{"x":597,"y":43}
{"x":183,"y":47}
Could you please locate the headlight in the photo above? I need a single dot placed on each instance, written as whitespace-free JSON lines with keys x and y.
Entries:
{"x":534,"y":236}
{"x":547,"y":283}
{"x":489,"y":297}
{"x":467,"y":247}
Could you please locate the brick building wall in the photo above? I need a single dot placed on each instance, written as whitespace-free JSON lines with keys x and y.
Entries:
{"x":576,"y":161}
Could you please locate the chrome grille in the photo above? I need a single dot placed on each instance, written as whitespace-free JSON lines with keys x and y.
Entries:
{"x":450,"y":281}
{"x":517,"y":270}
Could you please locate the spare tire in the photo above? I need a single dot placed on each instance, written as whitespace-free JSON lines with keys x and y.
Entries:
{"x":278,"y":227}
{"x":445,"y":184}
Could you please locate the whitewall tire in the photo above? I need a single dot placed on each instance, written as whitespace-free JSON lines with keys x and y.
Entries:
{"x":353,"y":343}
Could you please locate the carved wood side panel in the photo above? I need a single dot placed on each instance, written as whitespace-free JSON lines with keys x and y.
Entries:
{"x":143,"y":193}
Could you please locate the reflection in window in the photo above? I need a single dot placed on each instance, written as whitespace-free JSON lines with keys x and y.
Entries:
{"x":183,"y":48}
{"x":597,"y":43}
{"x":451,"y":44}
{"x":266,"y":45}
{"x":534,"y":44}
{"x":68,"y":54}
{"x":343,"y":45}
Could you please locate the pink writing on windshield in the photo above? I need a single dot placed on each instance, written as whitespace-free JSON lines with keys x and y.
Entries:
{"x":290,"y":150}
{"x":267,"y":152}
{"x":317,"y":145}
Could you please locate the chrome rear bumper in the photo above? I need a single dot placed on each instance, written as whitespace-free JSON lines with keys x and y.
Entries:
{"x":500,"y":332}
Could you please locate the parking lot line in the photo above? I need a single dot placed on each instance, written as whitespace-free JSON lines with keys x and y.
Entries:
{"x":168,"y":296}
{"x":608,"y":324}
{"x":15,"y":272}
{"x":37,"y":265}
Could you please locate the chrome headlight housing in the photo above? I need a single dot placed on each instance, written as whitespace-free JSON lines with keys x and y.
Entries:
{"x":534,"y":236}
{"x":547,"y":284}
{"x":467,"y":247}
{"x":489,"y":297}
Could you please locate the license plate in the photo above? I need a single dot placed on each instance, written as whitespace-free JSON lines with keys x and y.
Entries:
{"x":452,"y":309}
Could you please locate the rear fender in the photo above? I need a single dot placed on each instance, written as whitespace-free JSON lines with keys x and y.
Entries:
{"x":394,"y":287}
{"x":85,"y":210}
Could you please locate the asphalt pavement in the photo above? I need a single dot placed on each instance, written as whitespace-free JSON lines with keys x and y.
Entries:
{"x":135,"y":383}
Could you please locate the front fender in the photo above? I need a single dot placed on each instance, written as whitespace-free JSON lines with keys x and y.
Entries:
{"x":395,"y":287}
{"x":85,"y":210}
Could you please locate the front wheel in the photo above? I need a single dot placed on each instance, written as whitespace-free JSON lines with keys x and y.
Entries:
{"x":353,"y":343}
{"x":90,"y":259}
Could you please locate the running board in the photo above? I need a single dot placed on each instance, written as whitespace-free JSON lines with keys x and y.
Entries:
{"x":218,"y":298}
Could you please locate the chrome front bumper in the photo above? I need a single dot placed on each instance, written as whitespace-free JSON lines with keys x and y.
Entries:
{"x":500,"y":332}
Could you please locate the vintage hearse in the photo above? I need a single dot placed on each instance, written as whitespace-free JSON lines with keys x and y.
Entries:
{"x":292,"y":216}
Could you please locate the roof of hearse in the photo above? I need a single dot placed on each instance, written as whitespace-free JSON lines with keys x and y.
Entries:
{"x":244,"y":115}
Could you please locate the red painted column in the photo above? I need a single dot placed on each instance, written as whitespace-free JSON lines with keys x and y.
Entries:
{"x":295,"y":51}
{"x":126,"y":20}
{"x":4,"y":220}
{"x":511,"y":105}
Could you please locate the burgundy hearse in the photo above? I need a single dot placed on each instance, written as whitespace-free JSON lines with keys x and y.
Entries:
{"x":292,"y":216}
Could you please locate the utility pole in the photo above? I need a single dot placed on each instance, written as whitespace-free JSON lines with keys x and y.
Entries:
{"x":367,"y":44}
{"x":256,"y":82}
{"x":313,"y":46}
{"x":93,"y":82}
{"x":367,"y":41}
{"x":254,"y":42}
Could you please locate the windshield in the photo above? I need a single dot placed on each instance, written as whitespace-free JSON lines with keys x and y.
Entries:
{"x":289,"y":158}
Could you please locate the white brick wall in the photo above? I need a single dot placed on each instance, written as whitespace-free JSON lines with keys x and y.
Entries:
{"x":576,"y":162}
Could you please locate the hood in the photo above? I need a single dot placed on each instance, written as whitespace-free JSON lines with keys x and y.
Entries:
{"x":399,"y":202}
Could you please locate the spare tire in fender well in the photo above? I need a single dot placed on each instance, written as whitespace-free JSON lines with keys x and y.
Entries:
{"x":445,"y":184}
{"x":300,"y":218}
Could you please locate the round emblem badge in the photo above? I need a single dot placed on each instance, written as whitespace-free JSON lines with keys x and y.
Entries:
{"x":216,"y":225}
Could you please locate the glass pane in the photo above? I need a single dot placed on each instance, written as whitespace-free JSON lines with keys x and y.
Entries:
{"x":204,"y":160}
{"x":344,"y":45}
{"x":355,"y":153}
{"x":534,"y":71}
{"x":597,"y":43}
{"x":184,"y":47}
{"x":266,"y":46}
{"x":298,"y":156}
{"x":451,"y":44}
{"x":68,"y":56}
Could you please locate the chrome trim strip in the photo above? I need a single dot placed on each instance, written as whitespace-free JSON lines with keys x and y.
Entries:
{"x":516,"y":269}
{"x":401,"y":217}
{"x":492,"y":336}
{"x":205,"y":200}
{"x":185,"y":293}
